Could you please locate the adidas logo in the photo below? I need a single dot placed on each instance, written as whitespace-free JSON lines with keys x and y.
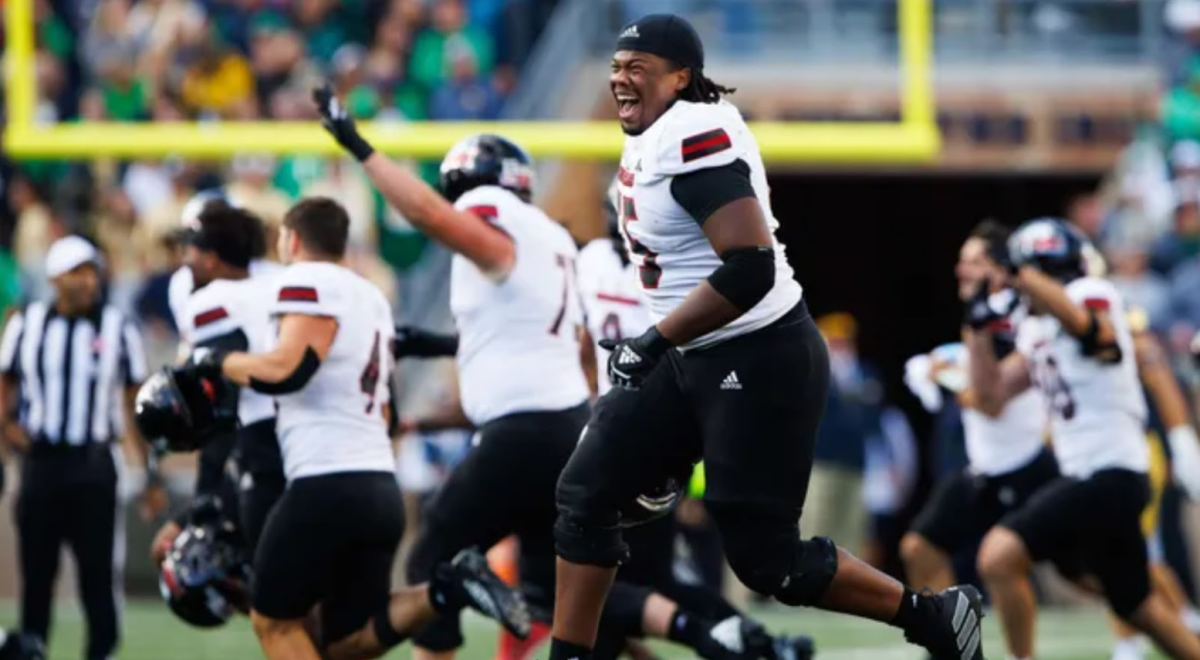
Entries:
{"x":731,"y":382}
{"x":630,"y":32}
{"x":728,"y":634}
{"x":628,"y":357}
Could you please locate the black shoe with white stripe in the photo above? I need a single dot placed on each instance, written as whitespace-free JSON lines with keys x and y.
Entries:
{"x":956,"y":632}
{"x":484,"y":591}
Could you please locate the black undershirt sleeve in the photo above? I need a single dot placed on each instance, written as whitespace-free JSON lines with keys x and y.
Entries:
{"x":702,"y":192}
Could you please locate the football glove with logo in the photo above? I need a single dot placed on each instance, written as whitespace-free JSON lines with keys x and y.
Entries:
{"x":985,"y":307}
{"x":205,"y":363}
{"x":631,"y":360}
{"x":336,"y":120}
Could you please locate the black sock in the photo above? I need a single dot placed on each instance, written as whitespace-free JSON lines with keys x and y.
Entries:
{"x":445,"y":592}
{"x":915,"y":609}
{"x":388,"y":637}
{"x":560,"y":650}
{"x":687,"y":629}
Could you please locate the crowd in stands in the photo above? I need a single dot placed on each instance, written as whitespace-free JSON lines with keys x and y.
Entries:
{"x":243,"y":60}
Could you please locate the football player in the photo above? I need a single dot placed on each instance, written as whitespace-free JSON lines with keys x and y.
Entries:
{"x":182,"y":283}
{"x":613,"y":309}
{"x":228,"y":310}
{"x":733,"y":371}
{"x":514,"y":299}
{"x":1079,"y":351}
{"x":1008,"y":459}
{"x":332,"y":537}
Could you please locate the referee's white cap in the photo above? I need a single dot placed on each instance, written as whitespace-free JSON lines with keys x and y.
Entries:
{"x":68,"y":253}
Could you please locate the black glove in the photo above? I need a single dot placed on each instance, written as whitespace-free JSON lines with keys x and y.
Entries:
{"x":336,"y":119}
{"x":415,"y":342}
{"x":979,"y":312}
{"x":205,"y":363}
{"x":633,"y":359}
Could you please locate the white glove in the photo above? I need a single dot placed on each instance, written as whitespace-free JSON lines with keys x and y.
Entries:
{"x":916,"y":377}
{"x":1185,"y":459}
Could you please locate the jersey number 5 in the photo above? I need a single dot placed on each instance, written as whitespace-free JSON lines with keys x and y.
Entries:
{"x":370,"y":375}
{"x":649,"y":272}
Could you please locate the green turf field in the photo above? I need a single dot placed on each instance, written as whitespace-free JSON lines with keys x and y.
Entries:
{"x":151,"y":633}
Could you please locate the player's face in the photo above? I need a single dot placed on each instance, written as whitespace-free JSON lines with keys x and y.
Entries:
{"x":643,"y":86}
{"x":973,"y":267}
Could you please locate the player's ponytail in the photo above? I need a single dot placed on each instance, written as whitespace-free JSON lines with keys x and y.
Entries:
{"x":701,"y":89}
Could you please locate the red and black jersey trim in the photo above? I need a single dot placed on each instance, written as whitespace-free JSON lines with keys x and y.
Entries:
{"x":211,"y":316}
{"x":705,"y":144}
{"x":298,"y":294}
{"x":486,"y":212}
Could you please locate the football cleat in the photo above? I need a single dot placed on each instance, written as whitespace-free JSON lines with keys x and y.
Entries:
{"x":957,"y":633}
{"x":485,"y":592}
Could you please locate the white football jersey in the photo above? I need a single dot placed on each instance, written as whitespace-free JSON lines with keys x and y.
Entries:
{"x":1097,"y":410}
{"x":223,"y":307}
{"x":518,"y":348}
{"x":335,"y":422}
{"x":612,"y":300}
{"x":182,"y":284}
{"x":670,"y":249}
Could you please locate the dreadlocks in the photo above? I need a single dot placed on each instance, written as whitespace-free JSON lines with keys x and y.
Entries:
{"x":701,"y":89}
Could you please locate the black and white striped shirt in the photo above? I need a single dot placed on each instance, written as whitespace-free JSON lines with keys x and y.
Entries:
{"x":72,"y":371}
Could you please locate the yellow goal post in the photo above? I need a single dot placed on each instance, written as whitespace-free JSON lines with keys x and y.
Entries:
{"x":915,"y":138}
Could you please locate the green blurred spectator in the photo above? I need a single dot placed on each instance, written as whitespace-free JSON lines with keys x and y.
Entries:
{"x":433,"y":53}
{"x":10,"y":282}
{"x":1181,"y":106}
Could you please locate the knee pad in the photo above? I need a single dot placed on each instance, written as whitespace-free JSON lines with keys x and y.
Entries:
{"x":581,"y":542}
{"x":624,"y":609}
{"x":765,"y":552}
{"x":587,"y":530}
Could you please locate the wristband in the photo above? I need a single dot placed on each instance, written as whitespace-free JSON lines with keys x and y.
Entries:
{"x":652,"y":342}
{"x":358,"y":147}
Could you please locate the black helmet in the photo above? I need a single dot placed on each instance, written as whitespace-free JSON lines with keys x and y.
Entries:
{"x":1051,"y":245}
{"x":486,"y":160}
{"x":205,"y":577}
{"x":176,"y":411}
{"x":655,"y":503}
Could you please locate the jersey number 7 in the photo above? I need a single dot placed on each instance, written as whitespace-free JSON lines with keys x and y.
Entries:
{"x":649,"y":272}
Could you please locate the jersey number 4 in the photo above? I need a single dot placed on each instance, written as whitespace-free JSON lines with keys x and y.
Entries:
{"x":370,"y":375}
{"x":649,"y":272}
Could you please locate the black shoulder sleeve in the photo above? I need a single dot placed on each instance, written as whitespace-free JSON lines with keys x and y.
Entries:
{"x":702,"y":192}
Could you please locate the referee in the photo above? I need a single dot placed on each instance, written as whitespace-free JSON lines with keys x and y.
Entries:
{"x":69,"y":369}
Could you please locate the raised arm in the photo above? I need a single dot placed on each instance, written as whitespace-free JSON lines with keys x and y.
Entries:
{"x":1089,"y":322}
{"x":486,"y":246}
{"x":993,"y":382}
